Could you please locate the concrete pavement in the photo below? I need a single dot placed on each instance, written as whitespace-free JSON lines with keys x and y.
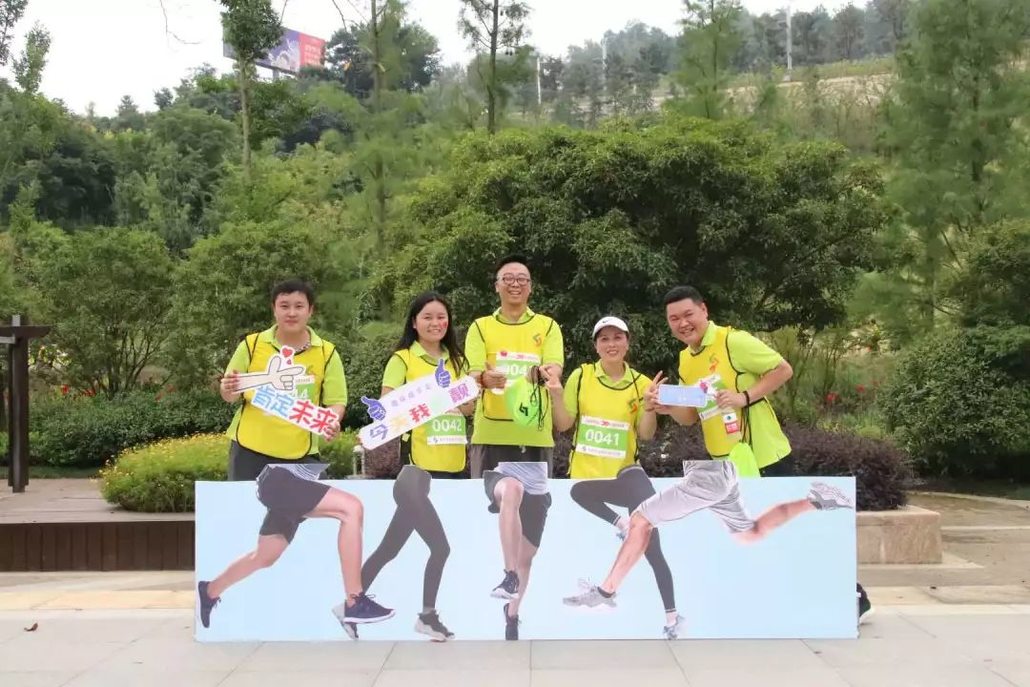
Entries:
{"x":963,"y":623}
{"x":908,"y":646}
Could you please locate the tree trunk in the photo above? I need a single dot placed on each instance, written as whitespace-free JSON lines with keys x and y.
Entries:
{"x":491,"y":87}
{"x":244,"y":71}
{"x":378,"y":171}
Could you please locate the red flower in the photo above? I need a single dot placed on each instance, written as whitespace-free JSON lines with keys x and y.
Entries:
{"x":860,"y":388}
{"x":65,"y":389}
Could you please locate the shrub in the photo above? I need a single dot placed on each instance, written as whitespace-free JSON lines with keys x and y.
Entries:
{"x":364,"y":359}
{"x":340,"y":455}
{"x":159,"y":477}
{"x":87,"y":432}
{"x":880,"y":469}
{"x":959,"y":402}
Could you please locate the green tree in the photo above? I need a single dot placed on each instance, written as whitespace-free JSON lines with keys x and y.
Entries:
{"x":953,"y":130}
{"x":107,"y":294}
{"x":773,"y":235}
{"x":350,"y":61}
{"x":252,"y":29}
{"x":128,"y":117}
{"x":169,"y":178}
{"x":494,"y":28}
{"x":11,"y":12}
{"x":223,"y":291}
{"x":710,"y":39}
{"x":848,"y":25}
{"x":994,"y":286}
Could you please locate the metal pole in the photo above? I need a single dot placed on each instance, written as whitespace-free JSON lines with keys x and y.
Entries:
{"x":539,"y":96}
{"x":18,"y":474}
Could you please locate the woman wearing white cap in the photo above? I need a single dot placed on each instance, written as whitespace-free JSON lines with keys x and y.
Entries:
{"x":604,"y":401}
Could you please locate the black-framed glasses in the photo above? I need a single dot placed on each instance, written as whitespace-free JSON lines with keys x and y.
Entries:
{"x":511,"y":279}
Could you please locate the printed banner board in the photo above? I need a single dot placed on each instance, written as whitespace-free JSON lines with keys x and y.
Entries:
{"x":746,"y":558}
{"x":294,"y":51}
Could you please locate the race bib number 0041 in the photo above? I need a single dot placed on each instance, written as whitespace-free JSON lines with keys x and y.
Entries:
{"x":602,"y":438}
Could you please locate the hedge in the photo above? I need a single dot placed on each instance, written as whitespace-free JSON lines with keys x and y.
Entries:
{"x":159,"y":477}
{"x":880,"y":469}
{"x":959,"y":402}
{"x":88,"y":432}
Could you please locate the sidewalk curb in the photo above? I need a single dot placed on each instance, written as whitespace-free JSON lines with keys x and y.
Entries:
{"x":1017,"y":503}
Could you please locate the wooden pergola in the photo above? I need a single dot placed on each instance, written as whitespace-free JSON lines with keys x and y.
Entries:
{"x":17,"y":336}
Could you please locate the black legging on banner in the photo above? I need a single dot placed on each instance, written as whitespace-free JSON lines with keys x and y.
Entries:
{"x":629,"y":489}
{"x":415,"y":513}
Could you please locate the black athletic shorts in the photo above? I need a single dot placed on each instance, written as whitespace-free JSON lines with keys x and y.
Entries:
{"x":288,"y":498}
{"x":245,"y":465}
{"x":532,"y":511}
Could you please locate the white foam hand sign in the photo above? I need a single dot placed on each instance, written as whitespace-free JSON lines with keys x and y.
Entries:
{"x":275,"y":375}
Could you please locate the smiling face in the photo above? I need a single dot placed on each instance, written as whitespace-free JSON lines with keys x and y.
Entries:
{"x":514,"y":284}
{"x":612,"y":345}
{"x":292,"y":312}
{"x":431,"y":322}
{"x":687,"y":320}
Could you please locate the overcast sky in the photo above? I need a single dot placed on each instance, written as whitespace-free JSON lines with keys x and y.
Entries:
{"x":104,"y":49}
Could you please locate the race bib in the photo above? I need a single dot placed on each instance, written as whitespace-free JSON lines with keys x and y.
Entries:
{"x":711,"y":385}
{"x":446,"y":430}
{"x":602,"y":438}
{"x":514,"y":365}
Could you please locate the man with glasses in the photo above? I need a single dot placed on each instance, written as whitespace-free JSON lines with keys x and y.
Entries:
{"x":510,"y":343}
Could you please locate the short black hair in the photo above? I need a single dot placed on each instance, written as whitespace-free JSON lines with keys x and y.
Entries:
{"x":294,"y":286}
{"x":682,"y":293}
{"x":508,"y":259}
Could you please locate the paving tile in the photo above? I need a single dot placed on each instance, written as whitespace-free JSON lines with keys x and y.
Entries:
{"x":178,"y":655}
{"x":731,"y":676}
{"x":119,"y":600}
{"x":891,"y":626}
{"x":963,"y":626}
{"x":745,"y":654}
{"x":1016,"y":672}
{"x":150,"y":677}
{"x":896,"y":596}
{"x":607,"y":678}
{"x":501,"y":677}
{"x":918,"y":651}
{"x":460,"y":656}
{"x":120,"y":631}
{"x":16,"y":601}
{"x":49,"y":678}
{"x":300,"y":678}
{"x":901,"y":675}
{"x":41,"y":655}
{"x":332,"y":656}
{"x":602,"y":655}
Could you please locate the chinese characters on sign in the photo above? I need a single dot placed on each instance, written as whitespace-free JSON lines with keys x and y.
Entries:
{"x":296,"y":411}
{"x":414,"y":404}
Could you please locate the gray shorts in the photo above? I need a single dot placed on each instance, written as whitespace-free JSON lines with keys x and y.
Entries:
{"x":707,"y":485}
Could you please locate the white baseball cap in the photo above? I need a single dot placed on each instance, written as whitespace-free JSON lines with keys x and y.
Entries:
{"x":610,"y":322}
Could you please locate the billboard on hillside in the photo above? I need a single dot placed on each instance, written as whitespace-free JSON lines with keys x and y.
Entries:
{"x":295,"y":50}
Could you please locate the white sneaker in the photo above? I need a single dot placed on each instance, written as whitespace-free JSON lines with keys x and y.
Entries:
{"x":825,"y":497}
{"x":590,"y":596}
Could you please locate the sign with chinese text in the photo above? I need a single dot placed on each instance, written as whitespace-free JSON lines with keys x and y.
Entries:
{"x":275,"y":393}
{"x":413,"y":404}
